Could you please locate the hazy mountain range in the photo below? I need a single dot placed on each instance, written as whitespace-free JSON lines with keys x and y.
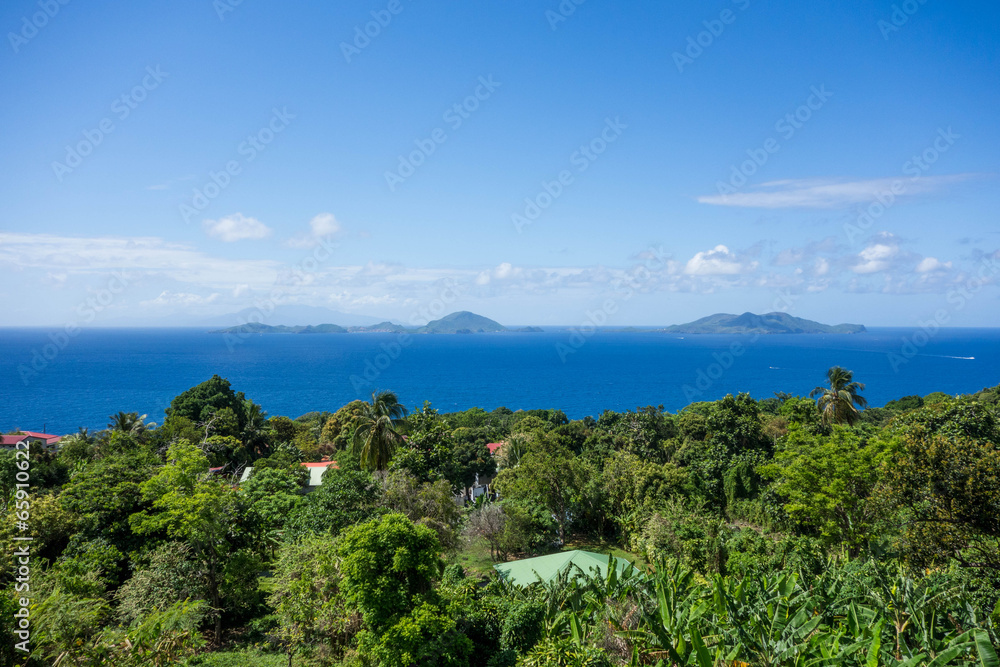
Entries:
{"x":455,"y":323}
{"x":464,"y":322}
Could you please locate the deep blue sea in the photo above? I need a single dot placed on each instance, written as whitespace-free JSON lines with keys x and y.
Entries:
{"x":101,"y":371}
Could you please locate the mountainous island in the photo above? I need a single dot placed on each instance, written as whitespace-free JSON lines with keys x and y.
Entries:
{"x":462,"y":322}
{"x":768,"y":323}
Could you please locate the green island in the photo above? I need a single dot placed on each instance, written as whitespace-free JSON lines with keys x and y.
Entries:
{"x":462,"y":322}
{"x":786,"y":531}
{"x":768,"y":323}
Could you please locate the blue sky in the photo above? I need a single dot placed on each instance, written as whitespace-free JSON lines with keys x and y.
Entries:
{"x":714,"y":157}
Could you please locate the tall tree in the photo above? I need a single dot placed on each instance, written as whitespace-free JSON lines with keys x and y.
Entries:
{"x":129,"y":422}
{"x":255,"y":431}
{"x":201,"y":402}
{"x":837,"y":402}
{"x":550,"y":475}
{"x":192,"y":508}
{"x":378,"y":432}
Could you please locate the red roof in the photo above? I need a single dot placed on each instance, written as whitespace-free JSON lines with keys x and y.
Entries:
{"x":322,"y":464}
{"x":494,"y":446}
{"x":14,"y":439}
{"x":36,"y":434}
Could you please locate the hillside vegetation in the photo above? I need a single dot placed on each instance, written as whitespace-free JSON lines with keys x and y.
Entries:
{"x":787,"y":531}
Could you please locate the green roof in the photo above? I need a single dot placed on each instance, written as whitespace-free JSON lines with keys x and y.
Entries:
{"x":527,"y":571}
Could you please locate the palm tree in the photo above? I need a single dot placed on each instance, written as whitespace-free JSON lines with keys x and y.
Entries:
{"x":131,"y":423}
{"x":378,"y":430}
{"x":255,"y":429}
{"x":837,"y":402}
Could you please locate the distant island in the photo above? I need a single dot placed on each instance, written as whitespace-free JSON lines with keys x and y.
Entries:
{"x":462,"y":322}
{"x":465,"y":322}
{"x":768,"y":323}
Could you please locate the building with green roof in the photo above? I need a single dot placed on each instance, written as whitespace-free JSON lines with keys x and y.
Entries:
{"x":547,"y":568}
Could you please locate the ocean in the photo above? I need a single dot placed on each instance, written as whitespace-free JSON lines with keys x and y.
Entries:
{"x":56,"y":383}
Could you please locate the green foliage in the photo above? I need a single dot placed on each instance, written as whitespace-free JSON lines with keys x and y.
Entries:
{"x":271,"y":495}
{"x":642,"y":432}
{"x":247,"y":657}
{"x":828,"y":483}
{"x":837,"y":402}
{"x":687,"y":532}
{"x":549,"y":475}
{"x":387,"y":568}
{"x":953,"y":418}
{"x":173,"y":575}
{"x":306,"y":594}
{"x":51,"y":527}
{"x":563,"y":653}
{"x":377,"y":434}
{"x":735,"y":425}
{"x":191,"y":508}
{"x":68,"y":633}
{"x":105,"y":493}
{"x":947,"y":492}
{"x":425,"y":636}
{"x":905,"y":403}
{"x":430,"y":504}
{"x":201,"y":402}
{"x":346,"y":497}
{"x":778,"y":539}
{"x":635,"y":488}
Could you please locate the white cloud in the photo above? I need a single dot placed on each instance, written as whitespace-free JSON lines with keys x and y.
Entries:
{"x":875,"y":258}
{"x":236,"y":227}
{"x":321,"y":226}
{"x":928,"y":264}
{"x":830,"y":193}
{"x":168,"y":298}
{"x":718,"y":261}
{"x":135,"y":255}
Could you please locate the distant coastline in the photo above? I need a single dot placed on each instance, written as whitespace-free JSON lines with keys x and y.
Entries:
{"x":464,"y":322}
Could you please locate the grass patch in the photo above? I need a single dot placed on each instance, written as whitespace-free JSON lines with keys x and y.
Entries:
{"x":474,"y":557}
{"x":243,"y":658}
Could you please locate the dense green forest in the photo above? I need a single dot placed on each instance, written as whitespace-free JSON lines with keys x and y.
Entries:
{"x":785,"y":531}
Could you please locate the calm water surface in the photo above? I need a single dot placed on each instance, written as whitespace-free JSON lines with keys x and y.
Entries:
{"x":101,"y":371}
